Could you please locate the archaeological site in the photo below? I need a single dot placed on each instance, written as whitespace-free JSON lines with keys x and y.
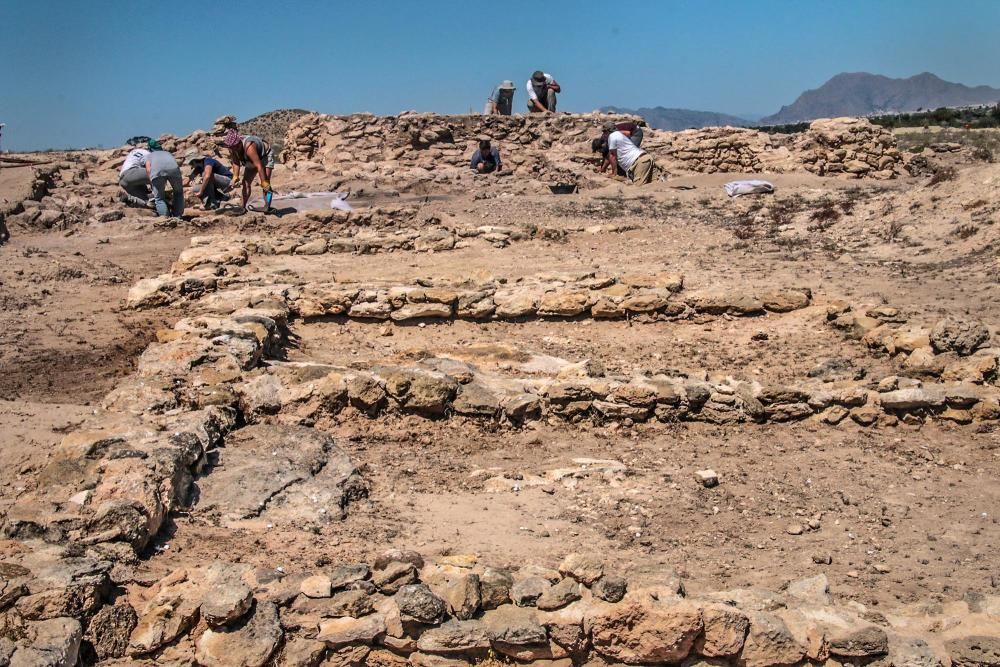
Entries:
{"x":419,"y":415}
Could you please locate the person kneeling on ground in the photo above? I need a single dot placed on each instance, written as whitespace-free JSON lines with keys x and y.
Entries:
{"x":255,"y":156}
{"x":216,"y":179}
{"x":637,"y":163}
{"x":542,"y":89}
{"x":161,"y":169}
{"x":600,"y":145}
{"x":134,"y":180}
{"x":487,"y":159}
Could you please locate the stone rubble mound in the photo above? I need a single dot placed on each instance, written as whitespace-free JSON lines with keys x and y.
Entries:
{"x":850,"y":147}
{"x":952,"y":351}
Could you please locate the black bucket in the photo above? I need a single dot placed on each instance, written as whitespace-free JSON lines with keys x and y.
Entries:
{"x":563,"y":188}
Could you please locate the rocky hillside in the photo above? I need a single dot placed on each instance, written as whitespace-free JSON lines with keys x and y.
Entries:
{"x":675,"y":120}
{"x":862,"y":94}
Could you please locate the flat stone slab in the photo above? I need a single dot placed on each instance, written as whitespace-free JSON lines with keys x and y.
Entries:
{"x":260,"y":465}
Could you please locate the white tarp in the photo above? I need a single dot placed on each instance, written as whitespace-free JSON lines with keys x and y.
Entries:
{"x":740,"y":188}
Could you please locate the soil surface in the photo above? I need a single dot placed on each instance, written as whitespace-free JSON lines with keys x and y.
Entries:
{"x":890,"y":515}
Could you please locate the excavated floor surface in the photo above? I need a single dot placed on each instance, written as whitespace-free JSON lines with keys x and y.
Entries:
{"x":903,"y":513}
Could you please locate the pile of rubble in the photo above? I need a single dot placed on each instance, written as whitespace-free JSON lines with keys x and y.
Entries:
{"x":952,"y":350}
{"x":850,"y":147}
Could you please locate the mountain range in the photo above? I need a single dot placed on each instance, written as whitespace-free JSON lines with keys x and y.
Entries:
{"x":846,"y":94}
{"x":674,"y":120}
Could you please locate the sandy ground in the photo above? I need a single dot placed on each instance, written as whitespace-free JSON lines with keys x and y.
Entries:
{"x":903,"y":514}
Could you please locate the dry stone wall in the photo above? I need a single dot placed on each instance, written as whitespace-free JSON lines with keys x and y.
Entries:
{"x":413,"y":148}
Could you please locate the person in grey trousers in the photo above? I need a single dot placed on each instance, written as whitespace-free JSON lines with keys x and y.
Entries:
{"x":134,"y":180}
{"x":162,"y":168}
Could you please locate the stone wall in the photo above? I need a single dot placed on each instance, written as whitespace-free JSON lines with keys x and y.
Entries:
{"x":425,"y":147}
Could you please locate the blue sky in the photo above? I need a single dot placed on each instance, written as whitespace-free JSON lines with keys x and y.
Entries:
{"x":76,"y":73}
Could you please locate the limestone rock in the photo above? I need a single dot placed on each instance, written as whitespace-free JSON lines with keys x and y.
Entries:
{"x":51,"y":643}
{"x":769,"y":642}
{"x":814,"y":590}
{"x":560,"y":595}
{"x":515,"y":626}
{"x":494,"y":588}
{"x":393,"y":577}
{"x":725,"y":631}
{"x":455,"y":636}
{"x":584,"y":568}
{"x":169,"y":614}
{"x":226,"y":597}
{"x":317,"y":586}
{"x":640,"y":634}
{"x":249,"y":642}
{"x":525,"y":593}
{"x":461,"y":593}
{"x":337,"y":632}
{"x":302,"y":652}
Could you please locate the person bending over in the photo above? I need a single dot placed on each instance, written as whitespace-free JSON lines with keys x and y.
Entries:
{"x":635,"y":162}
{"x":255,"y":156}
{"x":161,"y":168}
{"x":134,"y":180}
{"x":216,"y":179}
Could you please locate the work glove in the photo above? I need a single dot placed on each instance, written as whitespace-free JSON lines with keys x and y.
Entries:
{"x":236,"y":183}
{"x":266,"y":186}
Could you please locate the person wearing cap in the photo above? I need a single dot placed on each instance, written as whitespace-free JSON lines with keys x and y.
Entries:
{"x":635,"y":162}
{"x":161,"y":169}
{"x":134,"y":180}
{"x":542,"y":89}
{"x":255,"y":156}
{"x":486,"y":160}
{"x":216,"y":178}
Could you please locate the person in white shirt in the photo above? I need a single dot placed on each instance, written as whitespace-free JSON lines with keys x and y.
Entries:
{"x":134,"y":180}
{"x":635,"y":162}
{"x":542,"y":89}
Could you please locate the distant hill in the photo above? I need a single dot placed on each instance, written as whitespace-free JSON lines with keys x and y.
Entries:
{"x":863,"y":94}
{"x":662,"y":118}
{"x":272,"y":125}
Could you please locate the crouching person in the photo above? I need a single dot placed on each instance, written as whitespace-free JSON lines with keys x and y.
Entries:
{"x":134,"y":180}
{"x":162,"y":169}
{"x":216,"y":179}
{"x":635,"y":162}
{"x":486,"y":160}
